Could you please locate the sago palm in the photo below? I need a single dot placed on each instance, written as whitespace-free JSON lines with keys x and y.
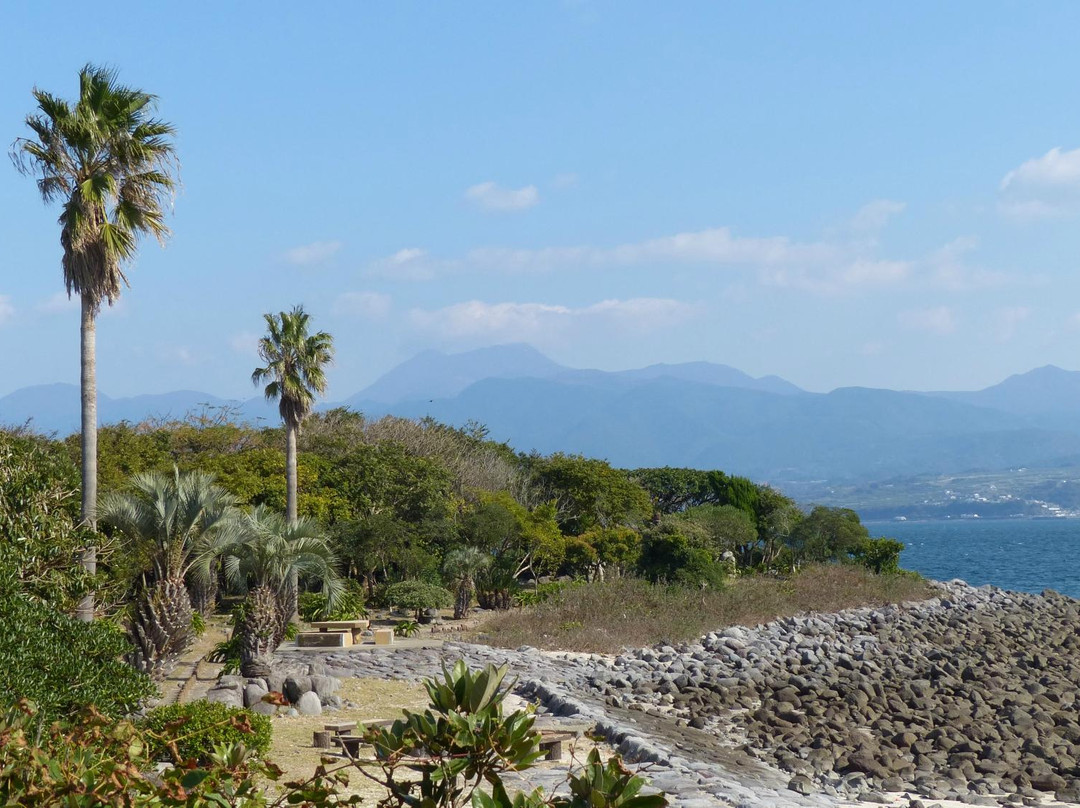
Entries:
{"x":180,"y":522}
{"x":460,"y":570}
{"x":111,"y":165}
{"x":269,"y":555}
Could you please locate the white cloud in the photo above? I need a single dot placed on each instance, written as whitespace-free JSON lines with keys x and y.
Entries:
{"x":7,"y":309}
{"x":245,"y":343}
{"x":948,"y":268}
{"x":1006,"y":321}
{"x":58,"y":303}
{"x":862,"y":273}
{"x":175,"y":354}
{"x":491,"y":196}
{"x":370,"y":305}
{"x":1043,"y":187}
{"x":315,"y":253}
{"x":939,"y":320}
{"x":873,"y":216}
{"x":567,"y":179}
{"x":523,"y":321}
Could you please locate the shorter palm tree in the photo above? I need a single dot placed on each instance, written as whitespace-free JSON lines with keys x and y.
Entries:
{"x":460,"y":569}
{"x":180,"y":522}
{"x":270,"y":553}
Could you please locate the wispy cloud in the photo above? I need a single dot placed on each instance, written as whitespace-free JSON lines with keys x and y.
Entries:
{"x":492,"y":196}
{"x":873,"y":216}
{"x":7,"y":309}
{"x":317,"y":252}
{"x":1043,"y":187}
{"x":245,"y":343}
{"x":368,"y":305}
{"x":567,"y":179}
{"x":1007,"y":320}
{"x":938,"y":320}
{"x":525,"y":321}
{"x":58,"y":303}
{"x":949,"y":269}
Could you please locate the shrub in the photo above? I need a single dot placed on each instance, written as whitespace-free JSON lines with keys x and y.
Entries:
{"x":418,"y":596}
{"x":349,"y":606}
{"x":197,"y":727}
{"x":95,"y":760}
{"x":62,"y":664}
{"x":878,"y":555}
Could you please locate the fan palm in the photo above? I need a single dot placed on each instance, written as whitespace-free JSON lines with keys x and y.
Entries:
{"x":295,"y":362}
{"x":460,"y":569}
{"x":111,"y":165}
{"x":180,"y":522}
{"x":270,"y":553}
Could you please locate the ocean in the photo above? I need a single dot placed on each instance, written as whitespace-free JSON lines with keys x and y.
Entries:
{"x":1029,"y":555}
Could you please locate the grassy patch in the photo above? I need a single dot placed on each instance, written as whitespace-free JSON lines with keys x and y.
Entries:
{"x":605,"y":617}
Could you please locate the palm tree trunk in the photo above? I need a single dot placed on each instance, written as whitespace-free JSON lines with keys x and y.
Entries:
{"x":290,"y":473}
{"x":88,"y":366}
{"x":290,"y":513}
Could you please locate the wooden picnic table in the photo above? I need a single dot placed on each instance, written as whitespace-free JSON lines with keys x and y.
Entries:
{"x":357,"y":627}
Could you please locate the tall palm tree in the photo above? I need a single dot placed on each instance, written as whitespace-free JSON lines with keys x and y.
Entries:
{"x":112,"y":167}
{"x":460,"y":569}
{"x":180,"y":522}
{"x":295,"y":362}
{"x":269,"y":555}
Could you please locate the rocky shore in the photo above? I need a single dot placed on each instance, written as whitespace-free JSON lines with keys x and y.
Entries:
{"x":968,"y":696}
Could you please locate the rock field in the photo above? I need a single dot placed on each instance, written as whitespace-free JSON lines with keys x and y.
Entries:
{"x":969,"y":696}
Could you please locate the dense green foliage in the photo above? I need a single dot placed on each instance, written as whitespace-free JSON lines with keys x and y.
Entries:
{"x":191,"y":731}
{"x":417,"y":596}
{"x":63,"y":664}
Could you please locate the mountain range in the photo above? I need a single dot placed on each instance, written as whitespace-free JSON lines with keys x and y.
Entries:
{"x":693,"y":414}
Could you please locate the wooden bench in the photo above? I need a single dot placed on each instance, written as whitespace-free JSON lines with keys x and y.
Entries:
{"x":324,"y":639}
{"x":356,"y":627}
{"x":328,"y":735}
{"x":551,"y":741}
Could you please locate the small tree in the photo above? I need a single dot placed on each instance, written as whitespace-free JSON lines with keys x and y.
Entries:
{"x":460,"y":568}
{"x":418,"y":596}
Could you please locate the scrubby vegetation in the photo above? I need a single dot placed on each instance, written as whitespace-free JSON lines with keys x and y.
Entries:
{"x":631,"y":612}
{"x":180,"y":732}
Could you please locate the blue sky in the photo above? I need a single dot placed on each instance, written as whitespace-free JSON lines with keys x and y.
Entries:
{"x":838,"y":193}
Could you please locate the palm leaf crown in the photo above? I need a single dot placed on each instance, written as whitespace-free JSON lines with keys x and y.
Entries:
{"x":112,"y":165}
{"x":294,"y":363}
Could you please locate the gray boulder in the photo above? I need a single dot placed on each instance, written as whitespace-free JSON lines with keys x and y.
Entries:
{"x":296,"y":686}
{"x":230,"y":696}
{"x":253,"y":694}
{"x":309,"y":704}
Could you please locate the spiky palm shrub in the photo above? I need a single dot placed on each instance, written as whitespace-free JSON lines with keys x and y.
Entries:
{"x":111,"y":165}
{"x":270,"y":553}
{"x":160,"y":627}
{"x":261,"y":629}
{"x":460,"y":570}
{"x":181,"y":521}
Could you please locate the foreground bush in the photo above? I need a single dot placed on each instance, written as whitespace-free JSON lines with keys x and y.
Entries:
{"x":192,"y":731}
{"x":604,"y":617}
{"x":62,"y":664}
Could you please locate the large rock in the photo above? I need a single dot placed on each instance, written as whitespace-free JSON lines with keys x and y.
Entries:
{"x":231,"y":696}
{"x":324,"y":686}
{"x":253,"y":693}
{"x":309,"y":704}
{"x":296,"y":686}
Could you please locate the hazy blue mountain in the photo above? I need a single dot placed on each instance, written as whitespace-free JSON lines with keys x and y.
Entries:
{"x":1043,"y":391}
{"x":694,"y":414}
{"x":851,"y":433}
{"x":434,"y":374}
{"x":55,"y":407}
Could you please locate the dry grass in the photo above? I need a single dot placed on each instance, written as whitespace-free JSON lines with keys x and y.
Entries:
{"x":291,"y":747}
{"x":603,"y":618}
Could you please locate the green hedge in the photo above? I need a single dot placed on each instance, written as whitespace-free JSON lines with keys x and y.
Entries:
{"x":198,"y":726}
{"x":63,"y":665}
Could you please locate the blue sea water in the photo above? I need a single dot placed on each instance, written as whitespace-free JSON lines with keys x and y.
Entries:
{"x":1028,"y":555}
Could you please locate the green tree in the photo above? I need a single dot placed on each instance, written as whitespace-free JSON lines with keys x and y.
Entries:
{"x":590,"y":492}
{"x":460,"y":568}
{"x":826,"y":534}
{"x":179,"y":521}
{"x":295,"y":373}
{"x":729,"y":529}
{"x":111,"y":165}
